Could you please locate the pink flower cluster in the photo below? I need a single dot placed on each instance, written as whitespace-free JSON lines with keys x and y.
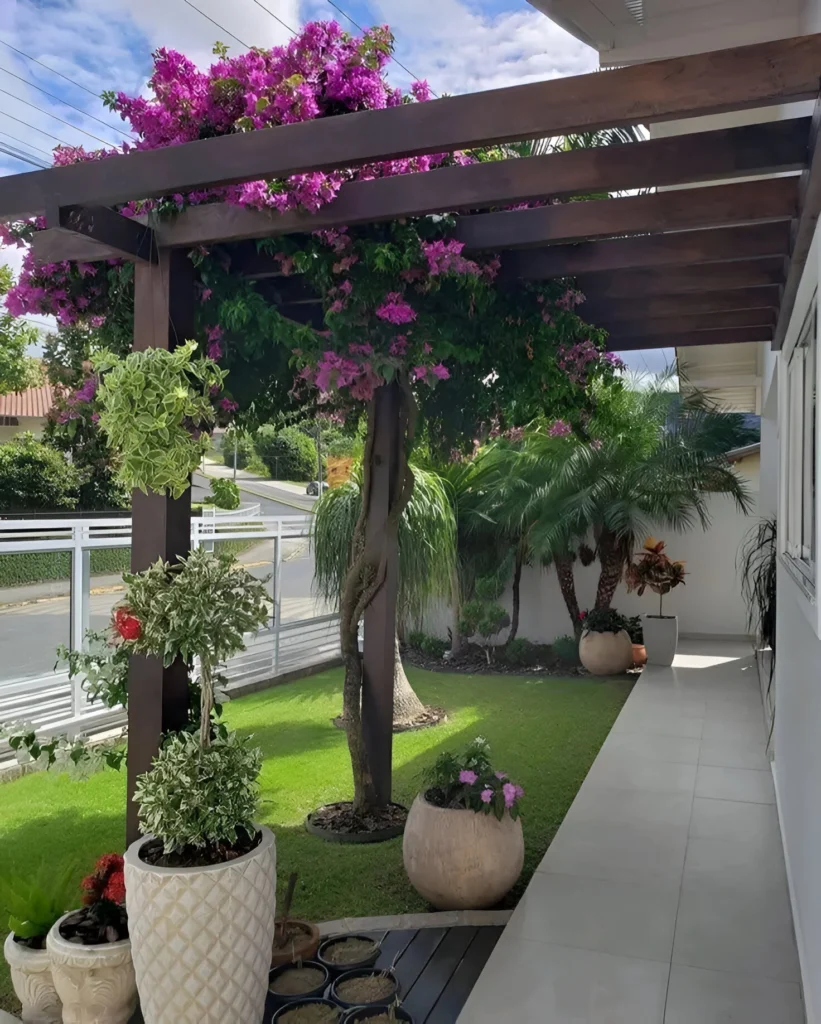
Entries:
{"x":579,"y":360}
{"x":559,"y":429}
{"x":82,"y":396}
{"x":446,"y":258}
{"x":60,"y":290}
{"x":395,"y":310}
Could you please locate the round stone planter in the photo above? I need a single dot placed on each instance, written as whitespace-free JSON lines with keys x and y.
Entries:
{"x":95,"y":983}
{"x":461,"y":860}
{"x":201,"y":937}
{"x":606,"y":654}
{"x":660,"y":638}
{"x":32,"y":982}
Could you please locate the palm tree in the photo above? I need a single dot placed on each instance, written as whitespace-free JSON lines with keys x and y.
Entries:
{"x":651,"y":459}
{"x":427,"y":560}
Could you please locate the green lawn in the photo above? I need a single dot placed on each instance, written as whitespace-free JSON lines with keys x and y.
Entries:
{"x":544,"y":732}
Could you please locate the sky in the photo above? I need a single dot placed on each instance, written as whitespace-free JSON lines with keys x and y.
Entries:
{"x":457,"y":45}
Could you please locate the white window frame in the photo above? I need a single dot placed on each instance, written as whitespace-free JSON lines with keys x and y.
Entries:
{"x":799,"y":536}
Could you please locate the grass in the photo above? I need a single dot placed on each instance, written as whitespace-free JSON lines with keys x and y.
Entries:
{"x":544,"y":732}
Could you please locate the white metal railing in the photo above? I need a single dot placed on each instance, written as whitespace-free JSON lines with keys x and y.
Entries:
{"x":301,"y":633}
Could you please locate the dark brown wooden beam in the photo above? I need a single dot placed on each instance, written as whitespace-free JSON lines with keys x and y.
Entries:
{"x":678,"y":249}
{"x":696,"y":322}
{"x":732,"y":336}
{"x":804,"y":230}
{"x":622,"y":284}
{"x":617,"y":310}
{"x":706,"y":206}
{"x":764,"y":74}
{"x":100,"y":232}
{"x":164,"y":313}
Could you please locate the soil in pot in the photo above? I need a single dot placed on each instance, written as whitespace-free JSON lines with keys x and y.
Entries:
{"x":318,"y":1011}
{"x":363,"y":989}
{"x":348,"y":953}
{"x":298,"y":981}
{"x":153,"y":852}
{"x":294,"y":940}
{"x":36,"y":942}
{"x":389,"y":1016}
{"x":86,"y":928}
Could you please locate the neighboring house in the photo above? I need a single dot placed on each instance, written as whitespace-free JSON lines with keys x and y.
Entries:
{"x":782,"y":386}
{"x":23,"y":411}
{"x":747,"y":461}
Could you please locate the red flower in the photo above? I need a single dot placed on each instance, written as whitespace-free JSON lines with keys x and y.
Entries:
{"x":127,"y":625}
{"x":109,"y":862}
{"x":91,"y":886}
{"x":115,"y":888}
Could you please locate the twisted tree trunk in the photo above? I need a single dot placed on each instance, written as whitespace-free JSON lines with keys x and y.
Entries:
{"x":456,"y":604}
{"x":517,"y":593}
{"x":612,"y":557}
{"x":567,"y":585}
{"x":407,"y":708}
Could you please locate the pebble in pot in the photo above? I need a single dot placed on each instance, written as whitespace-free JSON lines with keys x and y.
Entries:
{"x":308,"y":1011}
{"x":348,"y":952}
{"x":365,"y":987}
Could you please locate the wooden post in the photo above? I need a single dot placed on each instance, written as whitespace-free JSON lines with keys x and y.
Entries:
{"x":160,"y":525}
{"x":380,"y":615}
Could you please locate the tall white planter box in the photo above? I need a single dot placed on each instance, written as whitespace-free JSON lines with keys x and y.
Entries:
{"x":32,"y":981}
{"x":660,"y":638}
{"x":201,"y":937}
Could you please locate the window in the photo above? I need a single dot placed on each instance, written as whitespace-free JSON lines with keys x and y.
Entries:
{"x":800,"y":518}
{"x":9,"y":421}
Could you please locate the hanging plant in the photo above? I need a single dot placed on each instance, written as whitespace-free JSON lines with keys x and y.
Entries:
{"x":155,"y":407}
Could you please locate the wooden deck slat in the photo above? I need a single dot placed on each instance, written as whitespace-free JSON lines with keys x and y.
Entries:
{"x":432,"y":981}
{"x":457,"y":990}
{"x":417,"y":956}
{"x":394,"y":945}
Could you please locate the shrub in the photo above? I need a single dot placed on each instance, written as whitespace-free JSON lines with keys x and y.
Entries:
{"x":35,"y":477}
{"x":603,"y":620}
{"x":34,"y":900}
{"x":224,"y":494}
{"x":244,"y":445}
{"x":197,"y":796}
{"x":288,"y":454}
{"x":520,"y":651}
{"x":483,"y":619}
{"x":42,"y":566}
{"x":468,"y":781}
{"x":635,"y":629}
{"x":566,"y":649}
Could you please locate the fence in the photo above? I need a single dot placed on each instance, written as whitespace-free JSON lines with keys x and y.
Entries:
{"x":61,"y":577}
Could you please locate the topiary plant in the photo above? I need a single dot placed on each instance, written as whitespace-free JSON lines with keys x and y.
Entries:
{"x":35,"y":477}
{"x":224,"y":494}
{"x":566,"y":649}
{"x":288,"y":454}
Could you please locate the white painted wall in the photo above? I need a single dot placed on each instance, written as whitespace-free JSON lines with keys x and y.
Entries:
{"x":31,"y":423}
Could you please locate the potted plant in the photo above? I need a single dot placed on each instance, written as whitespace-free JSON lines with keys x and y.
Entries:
{"x":33,"y":902}
{"x":90,"y":951}
{"x":463,"y":846}
{"x":201,"y":884}
{"x":605,"y":648}
{"x":654,"y":569}
{"x":293,"y":939}
{"x":636,"y":633}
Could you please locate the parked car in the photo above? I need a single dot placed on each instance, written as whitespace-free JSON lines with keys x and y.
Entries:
{"x":314,"y":486}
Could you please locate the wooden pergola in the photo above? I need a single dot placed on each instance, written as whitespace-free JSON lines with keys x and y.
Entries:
{"x":694,"y":264}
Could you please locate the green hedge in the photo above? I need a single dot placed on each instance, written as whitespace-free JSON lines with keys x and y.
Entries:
{"x":44,"y":566}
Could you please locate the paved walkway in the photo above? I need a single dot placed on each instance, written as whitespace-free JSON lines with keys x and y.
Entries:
{"x":663,"y":898}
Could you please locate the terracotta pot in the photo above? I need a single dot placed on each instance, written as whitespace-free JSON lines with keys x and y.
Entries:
{"x":660,"y":638}
{"x":201,"y":937}
{"x":32,"y":982}
{"x":461,"y":860}
{"x":606,"y":654}
{"x":302,"y":947}
{"x":639,"y":655}
{"x":95,"y":983}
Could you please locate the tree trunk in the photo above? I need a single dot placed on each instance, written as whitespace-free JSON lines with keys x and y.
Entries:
{"x":407,"y":707}
{"x":612,"y":559}
{"x":456,"y":606}
{"x":567,"y":585}
{"x":517,"y":595}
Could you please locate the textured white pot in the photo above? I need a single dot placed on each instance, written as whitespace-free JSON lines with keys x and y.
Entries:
{"x":660,"y":638}
{"x":33,"y":985}
{"x":95,"y":983}
{"x":606,"y":654}
{"x":461,"y":860}
{"x":201,"y":938}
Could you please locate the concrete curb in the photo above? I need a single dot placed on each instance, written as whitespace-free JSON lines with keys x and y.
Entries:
{"x":437,"y":919}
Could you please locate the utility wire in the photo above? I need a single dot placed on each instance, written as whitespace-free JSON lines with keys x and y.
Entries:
{"x":276,"y":17}
{"x":47,"y":68}
{"x":40,"y":130}
{"x":344,"y":14}
{"x":65,"y":103}
{"x":18,"y":154}
{"x":23,"y":142}
{"x":222,"y":28}
{"x":105,"y":142}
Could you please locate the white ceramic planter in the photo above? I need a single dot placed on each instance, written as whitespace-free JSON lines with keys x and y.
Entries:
{"x":201,"y":937}
{"x":95,"y":983}
{"x":32,"y":981}
{"x":660,"y":638}
{"x":606,"y":654}
{"x":461,"y":860}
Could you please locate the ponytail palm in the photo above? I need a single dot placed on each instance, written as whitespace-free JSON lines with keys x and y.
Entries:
{"x":427,"y":559}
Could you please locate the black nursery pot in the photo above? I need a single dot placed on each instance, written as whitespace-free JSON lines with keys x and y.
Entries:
{"x":335,"y":969}
{"x":364,"y":973}
{"x":277,"y":999}
{"x":277,"y":1018}
{"x":364,"y":1013}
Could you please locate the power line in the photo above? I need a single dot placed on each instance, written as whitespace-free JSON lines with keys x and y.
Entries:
{"x":47,"y":68}
{"x":220,"y":27}
{"x":48,"y":113}
{"x":407,"y":70}
{"x":276,"y":17}
{"x":65,"y":103}
{"x":40,"y":130}
{"x":23,"y":142}
{"x":18,"y":154}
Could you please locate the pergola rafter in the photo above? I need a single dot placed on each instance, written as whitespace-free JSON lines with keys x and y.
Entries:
{"x":699,"y":264}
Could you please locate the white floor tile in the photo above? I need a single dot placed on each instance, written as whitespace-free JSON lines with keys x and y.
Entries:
{"x":735,"y":784}
{"x":734,"y":863}
{"x":674,"y":749}
{"x":734,"y":753}
{"x":625,"y":770}
{"x":735,"y":819}
{"x":614,"y":805}
{"x":716,"y":997}
{"x":532,"y":983}
{"x":641,"y":718}
{"x":624,"y":918}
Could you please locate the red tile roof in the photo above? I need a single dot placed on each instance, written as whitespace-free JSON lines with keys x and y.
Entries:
{"x":34,"y":402}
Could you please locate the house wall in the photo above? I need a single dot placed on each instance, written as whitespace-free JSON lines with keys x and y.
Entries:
{"x":32,"y":423}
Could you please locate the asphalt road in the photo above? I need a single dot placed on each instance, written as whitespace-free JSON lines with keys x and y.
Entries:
{"x":201,"y":488}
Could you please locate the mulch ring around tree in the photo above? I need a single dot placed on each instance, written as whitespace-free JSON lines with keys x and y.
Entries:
{"x":430,"y":716}
{"x":339,"y":823}
{"x":472,"y":660}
